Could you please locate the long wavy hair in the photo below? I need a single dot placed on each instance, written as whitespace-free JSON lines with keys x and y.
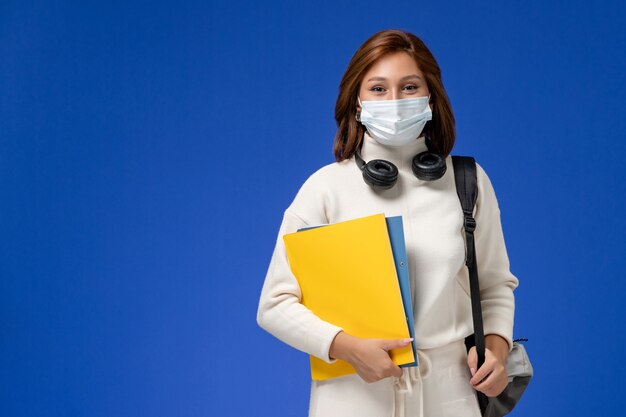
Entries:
{"x":440,"y":130}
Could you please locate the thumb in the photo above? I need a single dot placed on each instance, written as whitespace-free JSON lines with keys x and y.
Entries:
{"x":472,"y":360}
{"x":395,"y":343}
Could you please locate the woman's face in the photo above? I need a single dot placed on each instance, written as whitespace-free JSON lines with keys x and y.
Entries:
{"x":394,"y":76}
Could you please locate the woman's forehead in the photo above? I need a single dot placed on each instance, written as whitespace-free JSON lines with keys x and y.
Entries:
{"x":393,"y":65}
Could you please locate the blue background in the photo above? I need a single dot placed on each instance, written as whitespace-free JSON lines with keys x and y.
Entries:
{"x":148,"y":151}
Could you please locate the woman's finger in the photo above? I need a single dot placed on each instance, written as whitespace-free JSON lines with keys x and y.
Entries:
{"x":472,"y":360}
{"x":395,"y":343}
{"x":493,"y":385}
{"x":396,"y":371}
{"x":486,"y":386}
{"x":491,"y":363}
{"x":372,"y":360}
{"x":483,"y":372}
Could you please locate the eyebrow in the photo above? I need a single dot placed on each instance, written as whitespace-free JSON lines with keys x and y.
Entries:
{"x":401,"y":79}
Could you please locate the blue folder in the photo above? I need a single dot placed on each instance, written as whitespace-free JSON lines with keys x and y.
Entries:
{"x":396,"y":237}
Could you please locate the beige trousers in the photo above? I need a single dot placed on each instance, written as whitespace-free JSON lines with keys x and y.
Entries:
{"x":438,"y":387}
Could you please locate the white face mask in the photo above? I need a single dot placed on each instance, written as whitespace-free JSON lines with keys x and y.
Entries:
{"x":395,"y":122}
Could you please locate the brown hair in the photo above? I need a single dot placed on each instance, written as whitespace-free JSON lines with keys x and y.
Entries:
{"x":440,"y":130}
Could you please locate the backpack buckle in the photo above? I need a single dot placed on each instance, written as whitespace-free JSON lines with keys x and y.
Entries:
{"x":469,"y":224}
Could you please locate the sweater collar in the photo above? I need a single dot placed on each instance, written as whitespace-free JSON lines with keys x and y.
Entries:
{"x":401,"y":156}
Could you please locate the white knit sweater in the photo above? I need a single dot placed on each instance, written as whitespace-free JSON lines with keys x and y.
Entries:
{"x":433,"y":222}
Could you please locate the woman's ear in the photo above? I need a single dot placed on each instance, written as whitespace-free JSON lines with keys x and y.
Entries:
{"x":357,"y":115}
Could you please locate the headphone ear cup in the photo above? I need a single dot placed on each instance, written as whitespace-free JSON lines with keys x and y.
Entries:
{"x":429,"y":166}
{"x":380,"y":173}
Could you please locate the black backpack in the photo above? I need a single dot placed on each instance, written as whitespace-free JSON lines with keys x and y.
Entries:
{"x":518,"y":365}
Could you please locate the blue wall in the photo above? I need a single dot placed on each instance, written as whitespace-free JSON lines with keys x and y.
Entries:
{"x":148,"y":150}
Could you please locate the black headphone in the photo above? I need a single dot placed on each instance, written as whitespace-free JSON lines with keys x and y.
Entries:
{"x":378,"y":173}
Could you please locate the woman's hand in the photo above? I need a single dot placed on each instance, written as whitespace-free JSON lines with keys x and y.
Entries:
{"x":491,"y":379}
{"x":370,"y":357}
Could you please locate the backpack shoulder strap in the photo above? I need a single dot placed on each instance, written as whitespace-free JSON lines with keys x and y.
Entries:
{"x":467,"y":189}
{"x":466,"y":182}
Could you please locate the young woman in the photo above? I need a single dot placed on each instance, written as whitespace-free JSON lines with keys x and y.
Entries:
{"x":392,"y":106}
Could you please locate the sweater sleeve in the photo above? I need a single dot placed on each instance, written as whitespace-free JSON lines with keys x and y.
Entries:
{"x":496,"y":280}
{"x":280,"y":311}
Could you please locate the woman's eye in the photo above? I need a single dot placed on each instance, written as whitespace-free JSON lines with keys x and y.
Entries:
{"x":411,"y":87}
{"x":377,"y":89}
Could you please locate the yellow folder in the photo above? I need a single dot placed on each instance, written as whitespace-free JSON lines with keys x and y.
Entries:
{"x":348,"y":278}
